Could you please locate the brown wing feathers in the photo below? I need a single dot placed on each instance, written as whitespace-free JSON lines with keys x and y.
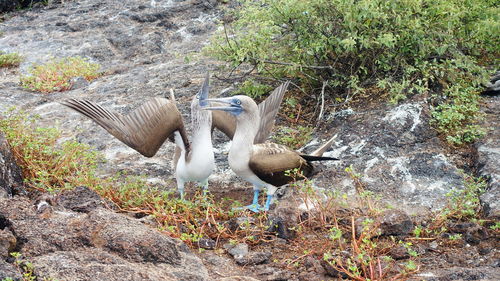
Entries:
{"x":267,"y":112}
{"x":270,"y":162}
{"x":144,"y":129}
{"x":224,"y":121}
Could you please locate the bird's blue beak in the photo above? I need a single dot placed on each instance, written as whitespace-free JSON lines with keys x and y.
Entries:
{"x":203,"y":93}
{"x":234,"y":105}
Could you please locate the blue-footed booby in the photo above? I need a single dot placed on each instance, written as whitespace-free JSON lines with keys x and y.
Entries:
{"x":146,"y":128}
{"x":265,"y":164}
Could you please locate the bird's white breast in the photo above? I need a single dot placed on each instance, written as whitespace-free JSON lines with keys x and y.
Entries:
{"x":201,"y":163}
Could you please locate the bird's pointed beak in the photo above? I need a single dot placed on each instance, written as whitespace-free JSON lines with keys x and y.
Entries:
{"x":231,"y":108}
{"x":203,"y":93}
{"x":221,"y":100}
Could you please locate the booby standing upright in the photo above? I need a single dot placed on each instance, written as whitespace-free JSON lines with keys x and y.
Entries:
{"x":264,"y":165}
{"x":146,"y":129}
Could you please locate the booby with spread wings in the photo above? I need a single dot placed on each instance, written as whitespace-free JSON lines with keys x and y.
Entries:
{"x":146,"y":128}
{"x":265,"y":164}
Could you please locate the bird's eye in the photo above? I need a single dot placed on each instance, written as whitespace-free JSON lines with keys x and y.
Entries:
{"x":238,"y":102}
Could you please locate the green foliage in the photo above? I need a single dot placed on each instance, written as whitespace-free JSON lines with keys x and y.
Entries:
{"x":353,"y":41}
{"x":26,"y":269}
{"x":465,"y":203}
{"x":418,"y":231}
{"x":359,"y":47}
{"x":455,"y":237}
{"x":495,"y":226}
{"x":47,"y":164}
{"x":55,"y":75}
{"x":457,"y":111}
{"x":252,"y":89}
{"x":294,"y":138}
{"x":10,"y":59}
{"x":335,"y":233}
{"x":411,"y":266}
{"x":408,"y":248}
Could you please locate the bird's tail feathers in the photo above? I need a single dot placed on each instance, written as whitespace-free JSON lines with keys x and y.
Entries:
{"x":172,"y":95}
{"x":324,"y":147}
{"x":317,"y":158}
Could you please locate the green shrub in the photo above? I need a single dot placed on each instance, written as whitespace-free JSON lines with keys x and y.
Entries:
{"x":362,"y":46}
{"x":356,"y":43}
{"x":294,"y":138}
{"x":47,"y":164}
{"x":252,"y":89}
{"x":10,"y":59}
{"x":456,"y":112}
{"x":465,"y":203}
{"x":55,"y":75}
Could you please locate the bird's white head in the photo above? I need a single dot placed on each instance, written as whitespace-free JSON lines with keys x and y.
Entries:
{"x":238,"y":106}
{"x":201,"y":117}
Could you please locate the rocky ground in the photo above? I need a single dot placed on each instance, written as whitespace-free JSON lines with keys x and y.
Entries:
{"x":147,"y":47}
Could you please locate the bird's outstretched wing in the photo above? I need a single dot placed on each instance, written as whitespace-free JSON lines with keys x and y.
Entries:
{"x":268,"y":109}
{"x":145,"y":129}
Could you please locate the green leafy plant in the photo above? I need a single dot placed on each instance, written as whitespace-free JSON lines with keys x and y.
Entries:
{"x":456,"y":114}
{"x":252,"y":89}
{"x":46,"y":164}
{"x":463,"y":205}
{"x":407,"y":246}
{"x":455,"y":237}
{"x":294,"y":138}
{"x":363,"y":48}
{"x":55,"y":75}
{"x":10,"y":59}
{"x":495,"y":226}
{"x":353,"y":41}
{"x":26,"y":269}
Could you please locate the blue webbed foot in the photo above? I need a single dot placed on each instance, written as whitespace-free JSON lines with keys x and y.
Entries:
{"x":254,"y":207}
{"x":268,"y":203}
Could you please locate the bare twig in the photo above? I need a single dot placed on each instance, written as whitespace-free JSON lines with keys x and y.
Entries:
{"x":298,"y":65}
{"x":320,"y":116}
{"x":227,"y":38}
